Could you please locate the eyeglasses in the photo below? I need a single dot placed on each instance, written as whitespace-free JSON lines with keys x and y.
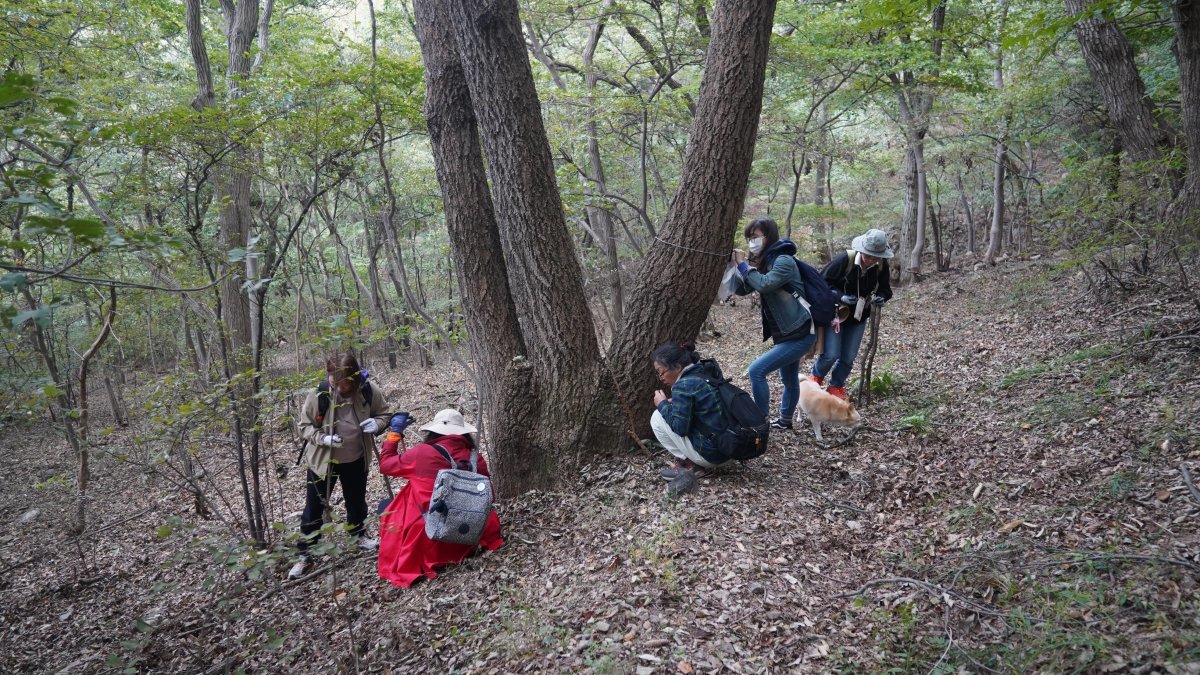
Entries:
{"x":662,"y":372}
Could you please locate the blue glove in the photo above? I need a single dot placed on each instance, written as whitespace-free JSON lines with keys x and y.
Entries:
{"x":878,"y":301}
{"x":400,"y":422}
{"x":849,"y":299}
{"x":743,"y":268}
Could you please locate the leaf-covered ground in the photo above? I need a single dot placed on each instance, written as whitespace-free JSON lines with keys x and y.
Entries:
{"x":1015,"y":503}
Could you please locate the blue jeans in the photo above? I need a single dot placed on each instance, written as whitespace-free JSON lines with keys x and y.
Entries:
{"x":784,"y":357}
{"x":840,"y":351}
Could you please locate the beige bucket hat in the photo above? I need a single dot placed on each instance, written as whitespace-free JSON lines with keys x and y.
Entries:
{"x":447,"y":422}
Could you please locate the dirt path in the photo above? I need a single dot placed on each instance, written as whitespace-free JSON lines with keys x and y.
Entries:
{"x":1016,"y":504}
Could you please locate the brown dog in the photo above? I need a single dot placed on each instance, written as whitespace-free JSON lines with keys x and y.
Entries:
{"x":822,"y":407}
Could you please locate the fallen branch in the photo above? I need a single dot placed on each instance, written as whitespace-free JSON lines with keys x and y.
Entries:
{"x":1187,"y":480}
{"x":940,"y":592}
{"x":1185,"y":335}
{"x":831,"y":500}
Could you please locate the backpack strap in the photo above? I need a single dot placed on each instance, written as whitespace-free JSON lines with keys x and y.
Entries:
{"x":812,"y":324}
{"x":322,"y":401}
{"x":454,"y":464}
{"x":323,"y":398}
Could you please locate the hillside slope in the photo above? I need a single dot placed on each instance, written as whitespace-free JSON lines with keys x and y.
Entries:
{"x":1015,"y":503}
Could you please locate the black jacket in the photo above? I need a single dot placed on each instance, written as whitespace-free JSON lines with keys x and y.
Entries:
{"x":846,"y":278}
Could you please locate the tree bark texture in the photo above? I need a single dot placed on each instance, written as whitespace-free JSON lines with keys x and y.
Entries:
{"x":498,"y":348}
{"x":679,"y":274}
{"x":1186,"y":16}
{"x":543,"y":273}
{"x":1110,"y":60}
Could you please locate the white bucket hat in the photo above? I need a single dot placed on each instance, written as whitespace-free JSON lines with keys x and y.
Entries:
{"x":448,"y":422}
{"x":873,"y":243}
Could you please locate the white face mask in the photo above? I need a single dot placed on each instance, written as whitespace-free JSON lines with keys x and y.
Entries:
{"x":756,"y":245}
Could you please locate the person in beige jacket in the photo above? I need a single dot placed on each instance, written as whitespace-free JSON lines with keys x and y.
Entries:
{"x":338,"y":447}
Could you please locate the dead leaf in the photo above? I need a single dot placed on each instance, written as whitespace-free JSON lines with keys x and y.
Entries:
{"x":685,"y":667}
{"x":1010,"y":526}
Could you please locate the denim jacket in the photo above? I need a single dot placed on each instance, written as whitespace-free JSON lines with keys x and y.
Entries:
{"x":775,"y":288}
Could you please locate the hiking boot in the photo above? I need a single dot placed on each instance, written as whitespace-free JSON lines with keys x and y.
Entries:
{"x":303,"y":566}
{"x":780,"y":423}
{"x":682,"y":484}
{"x":672,"y":472}
{"x":819,"y":380}
{"x":368,"y":544}
{"x":839,"y":392}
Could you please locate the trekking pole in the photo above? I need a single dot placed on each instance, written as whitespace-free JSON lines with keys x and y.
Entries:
{"x":387,"y":481}
{"x":865,"y":375}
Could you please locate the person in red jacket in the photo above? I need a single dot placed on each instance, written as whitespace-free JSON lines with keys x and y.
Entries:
{"x":405,"y":553}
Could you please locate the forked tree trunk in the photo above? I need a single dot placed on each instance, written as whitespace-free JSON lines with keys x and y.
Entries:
{"x":560,"y":389}
{"x":505,"y":376}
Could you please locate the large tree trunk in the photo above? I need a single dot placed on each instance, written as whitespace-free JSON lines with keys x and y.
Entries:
{"x":679,"y":275}
{"x":908,"y":219}
{"x":543,"y":273}
{"x":1110,"y":60}
{"x":918,"y":249}
{"x":1186,"y":16}
{"x":560,"y":369}
{"x":498,"y":348}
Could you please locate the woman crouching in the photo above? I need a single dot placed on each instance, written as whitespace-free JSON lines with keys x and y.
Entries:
{"x":405,"y":552}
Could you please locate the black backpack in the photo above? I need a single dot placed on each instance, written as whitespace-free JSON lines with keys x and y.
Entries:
{"x":746,"y":430}
{"x":323,"y":409}
{"x":816,"y":296}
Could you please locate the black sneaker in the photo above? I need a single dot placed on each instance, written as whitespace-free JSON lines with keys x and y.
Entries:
{"x":673,"y":472}
{"x":682,"y":484}
{"x":780,"y":423}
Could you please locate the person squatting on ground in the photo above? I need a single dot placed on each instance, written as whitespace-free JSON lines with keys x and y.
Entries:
{"x":406,"y":554}
{"x":771,"y":270}
{"x":688,"y":422}
{"x":861,"y":278}
{"x":338,"y":445}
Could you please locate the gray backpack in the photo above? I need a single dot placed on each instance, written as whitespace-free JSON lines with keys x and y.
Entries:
{"x":461,"y":503}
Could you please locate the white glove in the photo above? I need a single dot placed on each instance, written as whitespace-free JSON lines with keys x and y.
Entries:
{"x":369,"y":425}
{"x":331,"y":441}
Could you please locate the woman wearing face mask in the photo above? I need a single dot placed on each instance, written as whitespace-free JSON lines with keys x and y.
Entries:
{"x":772,"y":272}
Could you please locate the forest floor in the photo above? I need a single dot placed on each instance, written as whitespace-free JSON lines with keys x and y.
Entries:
{"x":1015,"y":503}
